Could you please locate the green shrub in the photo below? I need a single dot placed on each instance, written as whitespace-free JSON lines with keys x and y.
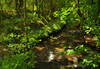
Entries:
{"x":18,"y":61}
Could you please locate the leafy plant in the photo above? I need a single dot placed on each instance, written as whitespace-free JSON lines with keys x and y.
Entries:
{"x":18,"y":61}
{"x":91,"y":60}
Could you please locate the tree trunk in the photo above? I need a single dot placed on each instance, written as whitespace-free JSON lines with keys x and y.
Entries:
{"x":82,"y":21}
{"x":98,"y":11}
{"x":99,"y":7}
{"x":25,"y":16}
{"x":25,"y":13}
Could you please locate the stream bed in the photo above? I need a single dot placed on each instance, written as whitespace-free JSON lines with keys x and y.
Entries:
{"x":49,"y":52}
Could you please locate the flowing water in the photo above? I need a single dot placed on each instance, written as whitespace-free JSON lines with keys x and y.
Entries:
{"x":49,"y":52}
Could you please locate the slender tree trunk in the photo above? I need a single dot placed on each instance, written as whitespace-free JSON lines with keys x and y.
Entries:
{"x":19,"y":6}
{"x":78,"y":11}
{"x":92,"y":2}
{"x":99,"y":7}
{"x":98,"y":11}
{"x":17,"y":10}
{"x":25,"y":13}
{"x":82,"y":21}
{"x":24,"y":16}
{"x":1,"y":13}
{"x":21,"y":3}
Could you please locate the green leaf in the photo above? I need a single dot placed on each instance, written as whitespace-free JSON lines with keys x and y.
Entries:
{"x":70,"y":51}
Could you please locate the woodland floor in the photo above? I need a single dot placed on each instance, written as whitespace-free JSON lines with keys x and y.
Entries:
{"x":65,"y":37}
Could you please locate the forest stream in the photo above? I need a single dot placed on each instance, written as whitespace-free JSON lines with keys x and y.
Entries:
{"x":49,"y":52}
{"x":49,"y":34}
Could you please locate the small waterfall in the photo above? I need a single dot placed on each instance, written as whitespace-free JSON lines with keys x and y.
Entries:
{"x":51,"y":56}
{"x":75,"y":60}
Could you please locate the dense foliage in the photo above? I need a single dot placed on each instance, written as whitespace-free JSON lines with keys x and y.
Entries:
{"x":18,"y":61}
{"x":26,"y":23}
